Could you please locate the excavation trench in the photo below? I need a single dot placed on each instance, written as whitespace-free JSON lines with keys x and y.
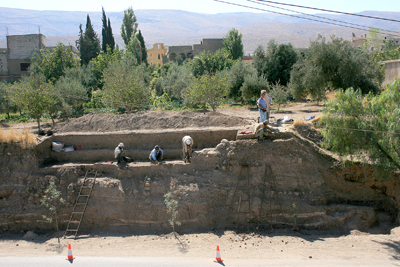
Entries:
{"x":283,"y":181}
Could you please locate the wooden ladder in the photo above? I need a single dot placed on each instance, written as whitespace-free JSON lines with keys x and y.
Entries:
{"x":80,"y":205}
{"x":241,"y":195}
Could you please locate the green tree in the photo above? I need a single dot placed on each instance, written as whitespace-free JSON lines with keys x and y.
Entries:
{"x":253,"y":85}
{"x":260,"y":60}
{"x":279,"y":62}
{"x":88,"y":43}
{"x":233,"y":44}
{"x":52,"y":64}
{"x":366,"y":127}
{"x":208,"y":63}
{"x":53,"y":201}
{"x":172,"y":208}
{"x":236,"y":76}
{"x":6,"y":105}
{"x":106,"y":33}
{"x":207,"y":89}
{"x":100,"y":63}
{"x":134,"y":49}
{"x":143,"y":51}
{"x":129,"y":25}
{"x":175,"y":81}
{"x":331,"y":66}
{"x":375,"y":40}
{"x":279,"y":94}
{"x":72,"y":92}
{"x":33,"y":95}
{"x":125,"y":86}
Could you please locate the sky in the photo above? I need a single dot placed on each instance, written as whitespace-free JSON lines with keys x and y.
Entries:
{"x":199,"y":6}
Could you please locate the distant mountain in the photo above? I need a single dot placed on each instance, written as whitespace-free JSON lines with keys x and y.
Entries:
{"x":175,"y":27}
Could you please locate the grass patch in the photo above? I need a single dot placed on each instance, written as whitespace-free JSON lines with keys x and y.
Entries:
{"x":26,"y":139}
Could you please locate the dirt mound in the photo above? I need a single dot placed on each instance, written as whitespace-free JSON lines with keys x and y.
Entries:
{"x":149,"y":120}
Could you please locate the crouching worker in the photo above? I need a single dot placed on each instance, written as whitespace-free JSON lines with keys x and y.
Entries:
{"x":156,"y":155}
{"x":118,"y":152}
{"x":187,"y":144}
{"x":262,"y":129}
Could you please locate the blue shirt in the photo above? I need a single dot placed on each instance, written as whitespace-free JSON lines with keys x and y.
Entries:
{"x":153,"y":155}
{"x":262,"y":103}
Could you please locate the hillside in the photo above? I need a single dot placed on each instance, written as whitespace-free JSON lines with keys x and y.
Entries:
{"x":176,"y":27}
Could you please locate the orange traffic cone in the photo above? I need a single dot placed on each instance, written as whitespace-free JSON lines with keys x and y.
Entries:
{"x":70,"y":257}
{"x":218,"y":257}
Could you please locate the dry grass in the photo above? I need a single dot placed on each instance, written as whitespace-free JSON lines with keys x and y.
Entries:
{"x":26,"y":139}
{"x":301,"y":123}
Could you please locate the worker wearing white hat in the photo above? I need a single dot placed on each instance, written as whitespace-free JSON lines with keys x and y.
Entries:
{"x":118,"y":152}
{"x":187,"y":144}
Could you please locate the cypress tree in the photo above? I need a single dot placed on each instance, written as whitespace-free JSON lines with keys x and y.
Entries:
{"x":104,"y":31}
{"x":143,"y":47}
{"x":88,"y":43}
{"x":111,"y":40}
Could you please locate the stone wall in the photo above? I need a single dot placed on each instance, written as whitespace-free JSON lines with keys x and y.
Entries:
{"x":392,"y":70}
{"x":3,"y":61}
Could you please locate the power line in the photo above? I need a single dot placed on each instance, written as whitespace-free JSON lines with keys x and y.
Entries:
{"x":331,"y":11}
{"x":260,"y":9}
{"x":315,"y":16}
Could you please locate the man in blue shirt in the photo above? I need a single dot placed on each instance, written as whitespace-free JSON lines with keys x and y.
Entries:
{"x":263,"y":104}
{"x":156,"y":155}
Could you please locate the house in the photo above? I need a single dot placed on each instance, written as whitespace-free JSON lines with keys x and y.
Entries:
{"x":155,"y":54}
{"x":190,"y":51}
{"x":16,"y":58}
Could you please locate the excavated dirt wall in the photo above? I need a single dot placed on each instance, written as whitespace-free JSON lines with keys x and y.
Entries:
{"x":281,"y":182}
{"x":100,"y":146}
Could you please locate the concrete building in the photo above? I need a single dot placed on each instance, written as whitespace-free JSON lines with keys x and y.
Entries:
{"x":191,"y":51}
{"x":16,"y":58}
{"x":155,"y":54}
{"x":358,"y":41}
{"x":392,"y":70}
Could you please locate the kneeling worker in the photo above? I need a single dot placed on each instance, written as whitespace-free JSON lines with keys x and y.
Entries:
{"x":118,"y":152}
{"x":262,"y":129}
{"x":156,"y":155}
{"x":187,"y":144}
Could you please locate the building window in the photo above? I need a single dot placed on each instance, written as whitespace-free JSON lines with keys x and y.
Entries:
{"x":158,"y":56}
{"x":25,"y":66}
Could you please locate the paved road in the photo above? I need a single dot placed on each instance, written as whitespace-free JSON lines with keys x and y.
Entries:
{"x":192,"y":262}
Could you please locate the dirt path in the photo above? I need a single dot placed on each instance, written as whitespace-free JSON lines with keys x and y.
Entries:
{"x":279,"y":244}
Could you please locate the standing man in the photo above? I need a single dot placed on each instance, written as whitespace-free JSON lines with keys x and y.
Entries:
{"x":187,"y":144}
{"x":156,"y":155}
{"x":263,"y":104}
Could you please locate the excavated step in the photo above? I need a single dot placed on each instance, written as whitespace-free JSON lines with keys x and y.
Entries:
{"x":96,"y":155}
{"x":138,"y":168}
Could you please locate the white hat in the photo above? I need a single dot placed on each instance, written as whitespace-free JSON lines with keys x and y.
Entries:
{"x":121,"y":145}
{"x":188,"y":142}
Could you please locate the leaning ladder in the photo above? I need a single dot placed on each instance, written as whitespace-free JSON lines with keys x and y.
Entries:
{"x":80,"y":205}
{"x":242,"y":195}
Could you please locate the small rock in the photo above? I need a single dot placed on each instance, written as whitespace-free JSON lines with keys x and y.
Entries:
{"x":30,"y":235}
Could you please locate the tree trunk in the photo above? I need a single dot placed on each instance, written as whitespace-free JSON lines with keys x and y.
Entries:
{"x":56,"y":220}
{"x":38,"y":123}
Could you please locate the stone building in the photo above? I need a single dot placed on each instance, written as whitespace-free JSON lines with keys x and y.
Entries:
{"x":16,"y":58}
{"x":155,"y":54}
{"x":392,"y":70}
{"x":190,"y":51}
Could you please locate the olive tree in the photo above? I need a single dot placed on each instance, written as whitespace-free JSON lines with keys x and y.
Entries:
{"x":33,"y":95}
{"x":367,"y":127}
{"x":125,"y":86}
{"x":207,"y":89}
